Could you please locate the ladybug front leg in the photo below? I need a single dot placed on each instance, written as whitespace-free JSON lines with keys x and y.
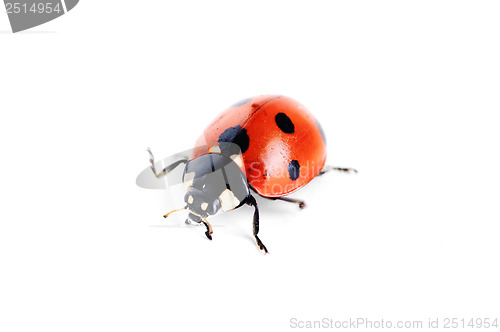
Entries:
{"x":252,"y":202}
{"x":209,"y":231}
{"x":167,"y":169}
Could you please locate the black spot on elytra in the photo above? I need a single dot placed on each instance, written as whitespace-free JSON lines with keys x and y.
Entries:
{"x":294,"y":170}
{"x":321,"y":131}
{"x":241,"y":102}
{"x":234,"y":140}
{"x":284,"y":123}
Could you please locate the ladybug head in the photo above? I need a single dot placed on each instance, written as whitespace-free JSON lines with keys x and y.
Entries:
{"x":200,"y":204}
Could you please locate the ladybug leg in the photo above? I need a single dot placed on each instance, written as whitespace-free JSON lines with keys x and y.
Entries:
{"x":339,"y":169}
{"x":209,"y":231}
{"x":252,"y":202}
{"x":192,"y":223}
{"x":300,"y":202}
{"x":167,"y":169}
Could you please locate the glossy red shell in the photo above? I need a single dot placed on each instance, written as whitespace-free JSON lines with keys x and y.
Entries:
{"x":271,"y":151}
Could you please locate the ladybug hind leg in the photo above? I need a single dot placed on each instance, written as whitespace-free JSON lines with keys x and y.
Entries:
{"x":339,"y":169}
{"x":299,"y":202}
{"x":252,"y":202}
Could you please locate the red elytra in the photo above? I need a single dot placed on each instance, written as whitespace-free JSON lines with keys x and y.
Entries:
{"x":282,"y":143}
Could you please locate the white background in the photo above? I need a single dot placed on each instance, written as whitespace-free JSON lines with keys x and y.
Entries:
{"x":407,"y":92}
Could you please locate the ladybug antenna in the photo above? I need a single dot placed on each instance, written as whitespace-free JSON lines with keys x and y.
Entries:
{"x":183,"y":208}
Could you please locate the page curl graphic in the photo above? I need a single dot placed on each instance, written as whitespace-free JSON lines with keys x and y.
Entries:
{"x":26,"y":14}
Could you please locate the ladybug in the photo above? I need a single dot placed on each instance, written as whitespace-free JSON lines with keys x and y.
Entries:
{"x":268,"y":145}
